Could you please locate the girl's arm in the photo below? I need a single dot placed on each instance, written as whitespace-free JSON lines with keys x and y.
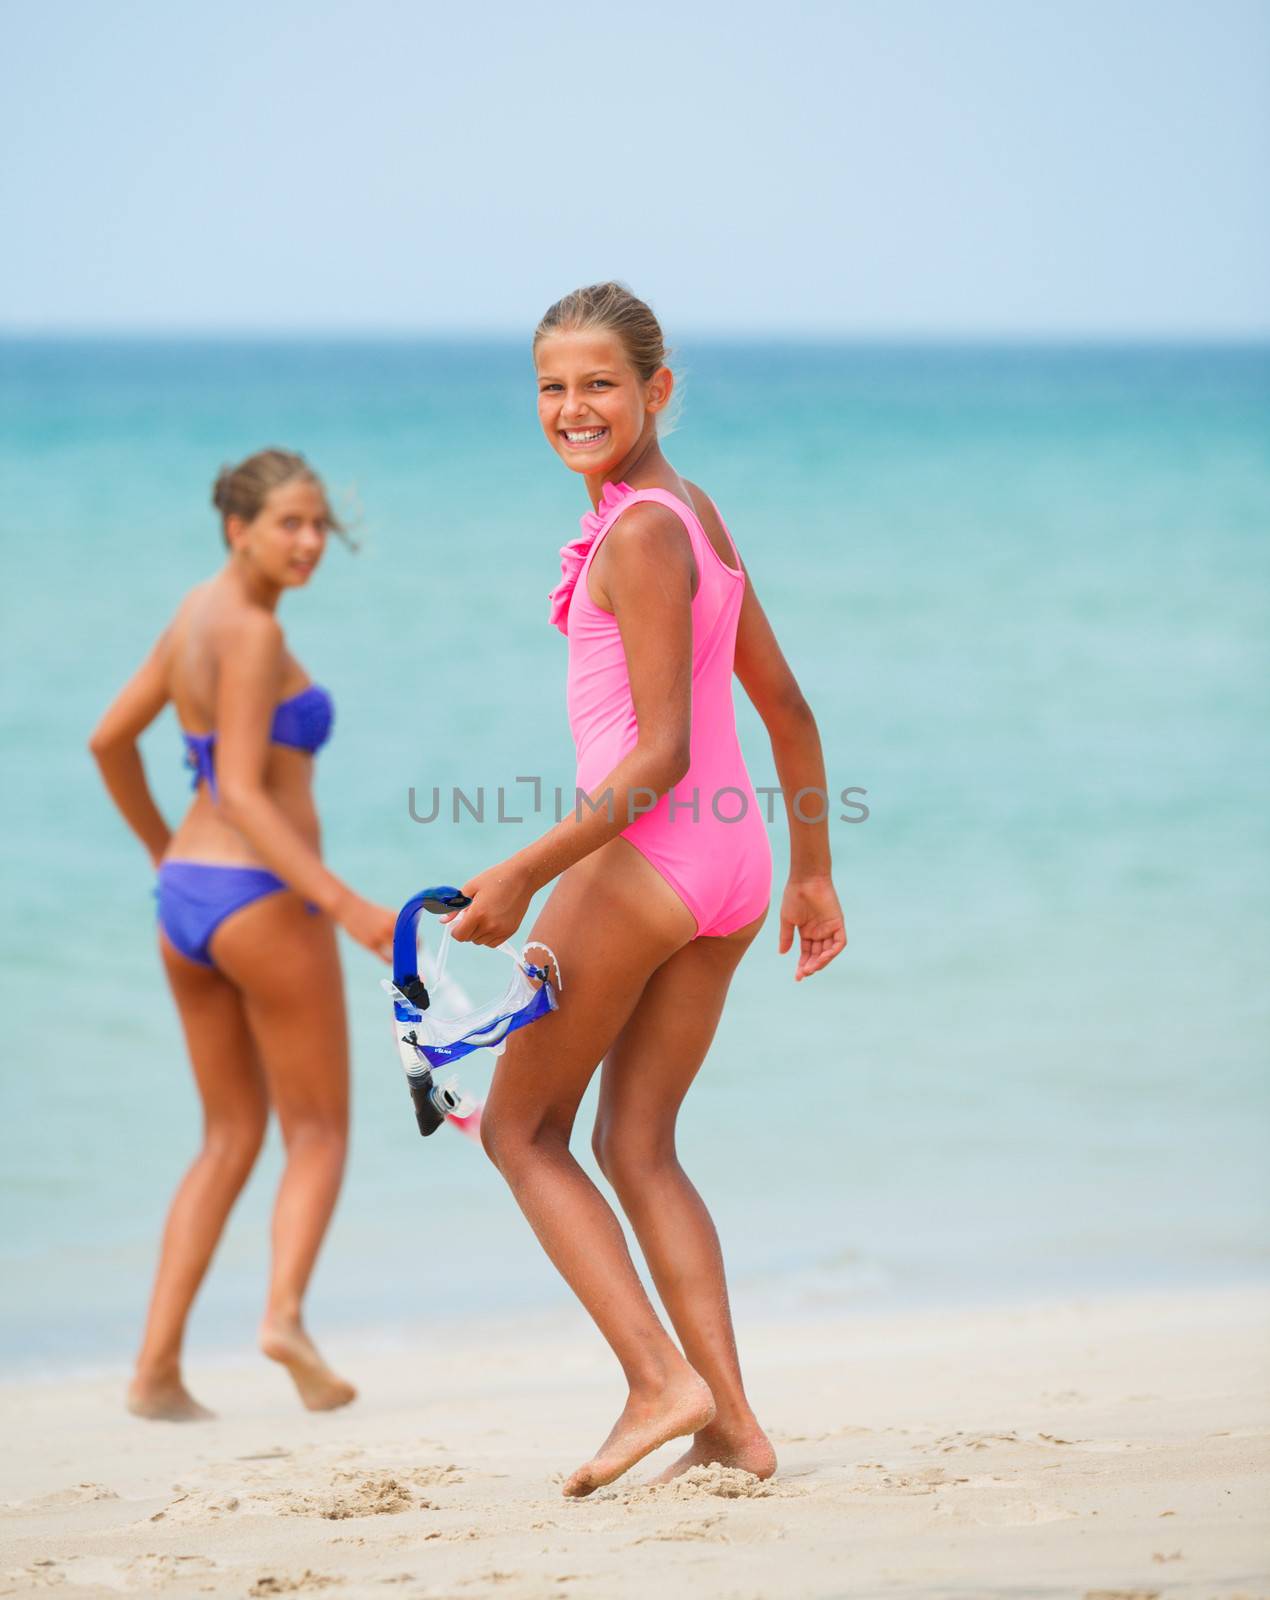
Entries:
{"x":647,"y":576}
{"x":252,"y":664}
{"x":810,"y":902}
{"x":114,"y":747}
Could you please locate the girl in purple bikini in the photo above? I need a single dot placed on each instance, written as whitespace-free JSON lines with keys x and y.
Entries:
{"x":247,"y":915}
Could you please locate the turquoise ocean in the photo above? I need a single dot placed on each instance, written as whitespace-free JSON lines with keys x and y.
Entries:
{"x":1025,"y":592}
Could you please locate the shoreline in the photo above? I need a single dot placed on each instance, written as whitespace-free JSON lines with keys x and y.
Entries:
{"x":1116,"y":1444}
{"x":800,"y":1307}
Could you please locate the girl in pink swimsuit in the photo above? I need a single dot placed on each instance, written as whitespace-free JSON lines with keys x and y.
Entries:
{"x":664,"y":874}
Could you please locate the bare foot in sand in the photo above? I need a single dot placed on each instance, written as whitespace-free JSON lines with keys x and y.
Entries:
{"x":748,"y":1448}
{"x":289,"y":1345}
{"x":683,"y":1406}
{"x":164,"y":1399}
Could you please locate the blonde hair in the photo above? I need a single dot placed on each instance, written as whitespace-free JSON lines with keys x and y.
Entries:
{"x":612,"y":306}
{"x":241,"y":491}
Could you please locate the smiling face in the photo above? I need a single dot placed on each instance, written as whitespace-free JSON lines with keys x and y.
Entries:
{"x":595,"y":409}
{"x":284,"y":541}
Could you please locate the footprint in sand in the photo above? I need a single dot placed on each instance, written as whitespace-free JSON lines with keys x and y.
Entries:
{"x":203,"y":1507}
{"x":373,"y":1494}
{"x":848,"y":1431}
{"x":271,"y":1583}
{"x":42,"y":1574}
{"x":925,"y":1482}
{"x":427,"y":1477}
{"x":433,"y":1477}
{"x":703,"y":1529}
{"x":352,"y":1494}
{"x":951,"y":1442}
{"x":1019,"y":1514}
{"x":102,"y":1575}
{"x":78,"y":1494}
{"x":723,"y":1483}
{"x":160,"y":1568}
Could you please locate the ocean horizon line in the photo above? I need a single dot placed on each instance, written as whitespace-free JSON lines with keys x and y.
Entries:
{"x":757,"y":338}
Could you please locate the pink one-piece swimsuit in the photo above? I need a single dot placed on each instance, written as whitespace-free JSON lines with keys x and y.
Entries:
{"x":706,"y":836}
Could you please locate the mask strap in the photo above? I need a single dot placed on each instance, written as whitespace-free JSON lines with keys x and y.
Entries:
{"x":537,"y":944}
{"x":443,"y":950}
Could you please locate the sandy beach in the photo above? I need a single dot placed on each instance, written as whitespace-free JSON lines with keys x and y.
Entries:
{"x":1101,"y":1449}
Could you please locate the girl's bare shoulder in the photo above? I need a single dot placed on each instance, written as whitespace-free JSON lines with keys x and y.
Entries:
{"x":213,"y":627}
{"x":216,"y":617}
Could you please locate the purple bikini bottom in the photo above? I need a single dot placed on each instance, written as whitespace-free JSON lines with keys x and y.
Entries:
{"x":195,"y":897}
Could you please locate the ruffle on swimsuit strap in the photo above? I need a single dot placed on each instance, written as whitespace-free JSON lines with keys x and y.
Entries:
{"x":573,"y":555}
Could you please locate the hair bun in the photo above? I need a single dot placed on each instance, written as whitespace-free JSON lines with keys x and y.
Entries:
{"x":221,"y":490}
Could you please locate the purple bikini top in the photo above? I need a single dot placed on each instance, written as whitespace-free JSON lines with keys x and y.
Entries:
{"x":303,"y":723}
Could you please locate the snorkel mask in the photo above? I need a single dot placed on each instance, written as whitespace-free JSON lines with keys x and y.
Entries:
{"x":427,"y":1040}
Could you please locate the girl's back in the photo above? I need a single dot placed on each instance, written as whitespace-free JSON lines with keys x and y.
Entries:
{"x":200,"y":638}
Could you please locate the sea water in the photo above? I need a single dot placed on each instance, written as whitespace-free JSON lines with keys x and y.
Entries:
{"x":1024,"y":592}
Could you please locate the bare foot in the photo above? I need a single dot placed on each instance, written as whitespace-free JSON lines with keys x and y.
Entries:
{"x":289,"y":1345}
{"x":749,"y":1449}
{"x":684,"y":1406}
{"x":165,"y":1400}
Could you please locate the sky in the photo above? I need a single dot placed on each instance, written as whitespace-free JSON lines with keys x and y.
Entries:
{"x":897,"y":168}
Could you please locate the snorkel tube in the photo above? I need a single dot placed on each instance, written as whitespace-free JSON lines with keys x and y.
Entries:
{"x":405,"y":939}
{"x":427,"y":1040}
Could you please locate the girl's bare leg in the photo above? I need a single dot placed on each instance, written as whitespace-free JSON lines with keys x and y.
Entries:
{"x":287,"y":964}
{"x":646,"y":1076}
{"x":611,"y":920}
{"x":235,"y":1111}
